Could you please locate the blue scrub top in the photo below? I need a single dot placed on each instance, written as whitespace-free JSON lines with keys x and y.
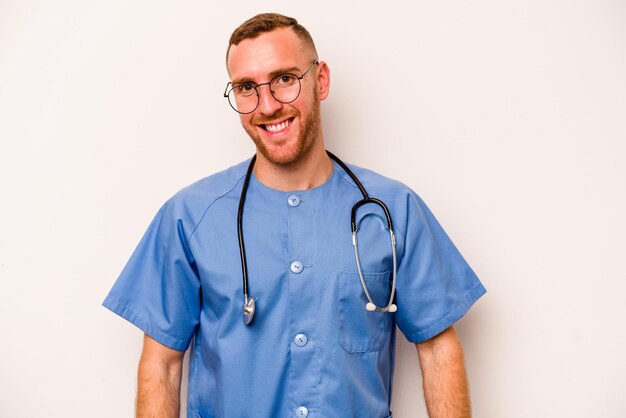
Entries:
{"x":313,"y":350}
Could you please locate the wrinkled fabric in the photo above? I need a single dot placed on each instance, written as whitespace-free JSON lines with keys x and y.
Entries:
{"x":183,"y":287}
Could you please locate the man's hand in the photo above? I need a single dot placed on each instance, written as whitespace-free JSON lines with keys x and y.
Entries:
{"x":445,"y":381}
{"x":158,"y":383}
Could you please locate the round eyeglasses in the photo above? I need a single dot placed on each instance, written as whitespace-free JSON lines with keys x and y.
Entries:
{"x":285,"y":88}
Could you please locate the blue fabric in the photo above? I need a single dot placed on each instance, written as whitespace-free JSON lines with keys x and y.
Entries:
{"x":183,"y":287}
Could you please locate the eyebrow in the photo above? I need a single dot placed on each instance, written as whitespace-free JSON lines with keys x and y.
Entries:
{"x":273,"y":74}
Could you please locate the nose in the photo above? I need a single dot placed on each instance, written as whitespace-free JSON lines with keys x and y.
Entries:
{"x":268,"y":105}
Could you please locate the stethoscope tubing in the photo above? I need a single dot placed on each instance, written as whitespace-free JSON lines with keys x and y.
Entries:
{"x":249,"y":302}
{"x":370,"y":306}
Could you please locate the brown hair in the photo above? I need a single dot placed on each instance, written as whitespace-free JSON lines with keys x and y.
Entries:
{"x":267,"y":22}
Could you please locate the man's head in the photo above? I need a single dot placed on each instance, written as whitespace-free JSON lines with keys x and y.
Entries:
{"x":267,"y":22}
{"x":260,"y":50}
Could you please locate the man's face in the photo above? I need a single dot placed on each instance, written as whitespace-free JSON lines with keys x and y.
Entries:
{"x":283,"y":133}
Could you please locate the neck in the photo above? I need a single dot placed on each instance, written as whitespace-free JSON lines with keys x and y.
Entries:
{"x":312,"y":170}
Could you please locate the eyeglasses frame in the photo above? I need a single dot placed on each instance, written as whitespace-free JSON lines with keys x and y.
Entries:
{"x":256,"y":86}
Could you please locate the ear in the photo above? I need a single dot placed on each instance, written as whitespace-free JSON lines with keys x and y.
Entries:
{"x":323,"y":80}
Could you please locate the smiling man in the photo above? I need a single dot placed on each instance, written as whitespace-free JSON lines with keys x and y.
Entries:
{"x":317,"y":338}
{"x":282,"y":116}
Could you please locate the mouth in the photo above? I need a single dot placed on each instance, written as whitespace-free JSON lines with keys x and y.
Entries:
{"x":277,"y":127}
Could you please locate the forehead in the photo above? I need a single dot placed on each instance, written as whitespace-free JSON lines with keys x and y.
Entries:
{"x":257,"y":57}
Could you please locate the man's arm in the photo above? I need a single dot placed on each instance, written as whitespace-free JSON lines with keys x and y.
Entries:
{"x":445,"y":381}
{"x":158,"y":383}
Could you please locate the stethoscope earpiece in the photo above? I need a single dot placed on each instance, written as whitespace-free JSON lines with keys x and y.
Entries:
{"x":371,"y":308}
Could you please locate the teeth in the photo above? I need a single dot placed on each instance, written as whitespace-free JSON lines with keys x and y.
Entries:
{"x":277,"y":127}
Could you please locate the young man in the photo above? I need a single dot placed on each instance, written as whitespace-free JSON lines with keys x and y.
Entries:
{"x":310,"y":332}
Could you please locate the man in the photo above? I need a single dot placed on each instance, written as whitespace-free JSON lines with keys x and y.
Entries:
{"x":321,"y":340}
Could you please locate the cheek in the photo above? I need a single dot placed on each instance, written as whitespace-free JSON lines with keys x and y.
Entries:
{"x":246,"y":120}
{"x":306,"y":102}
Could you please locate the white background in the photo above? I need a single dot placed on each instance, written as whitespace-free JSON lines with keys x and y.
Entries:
{"x":508,"y":118}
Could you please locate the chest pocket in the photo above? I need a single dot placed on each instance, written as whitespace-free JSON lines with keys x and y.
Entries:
{"x":360,"y":330}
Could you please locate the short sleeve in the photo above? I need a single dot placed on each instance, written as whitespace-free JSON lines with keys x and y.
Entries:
{"x":159,"y":289}
{"x":435,"y":285}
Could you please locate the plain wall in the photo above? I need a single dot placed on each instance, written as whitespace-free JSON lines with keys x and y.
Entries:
{"x":508,"y":118}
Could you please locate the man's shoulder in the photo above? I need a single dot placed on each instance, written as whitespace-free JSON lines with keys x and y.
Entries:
{"x":192,"y":201}
{"x":375,"y":183}
{"x":215,"y":185}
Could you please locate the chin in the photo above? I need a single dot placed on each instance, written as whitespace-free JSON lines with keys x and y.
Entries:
{"x":282,"y":155}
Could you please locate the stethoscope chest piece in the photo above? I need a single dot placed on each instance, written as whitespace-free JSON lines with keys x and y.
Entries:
{"x":249,"y":307}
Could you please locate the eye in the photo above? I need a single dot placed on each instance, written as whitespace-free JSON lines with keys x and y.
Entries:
{"x":284,"y":80}
{"x":245,"y":89}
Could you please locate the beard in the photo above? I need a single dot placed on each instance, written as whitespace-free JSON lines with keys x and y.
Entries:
{"x":290,"y":153}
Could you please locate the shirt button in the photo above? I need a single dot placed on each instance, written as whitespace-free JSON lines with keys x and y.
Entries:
{"x":293,"y":200}
{"x":301,"y":340}
{"x":296,"y":267}
{"x":302,"y":412}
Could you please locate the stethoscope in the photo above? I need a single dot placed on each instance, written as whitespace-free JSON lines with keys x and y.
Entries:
{"x":249,"y":302}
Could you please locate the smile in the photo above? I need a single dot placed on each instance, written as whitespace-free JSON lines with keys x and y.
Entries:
{"x":277,"y":127}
